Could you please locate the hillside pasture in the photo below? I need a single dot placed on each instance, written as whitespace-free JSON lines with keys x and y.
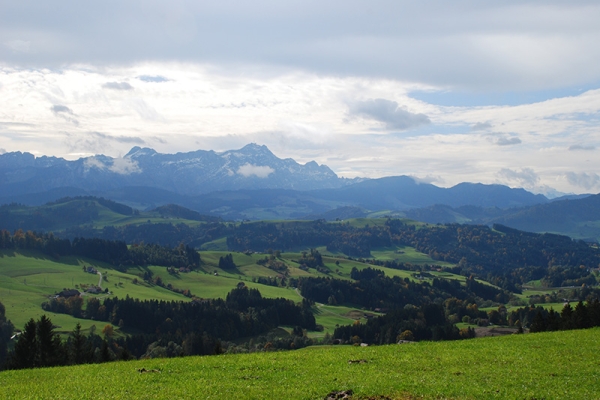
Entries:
{"x":556,"y":365}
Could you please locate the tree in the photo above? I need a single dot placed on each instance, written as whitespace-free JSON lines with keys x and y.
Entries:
{"x":25,"y":351}
{"x":108,"y":330}
{"x":6,"y":331}
{"x":227,"y":262}
{"x":566,"y":317}
{"x":78,"y":349}
{"x":49,"y":344}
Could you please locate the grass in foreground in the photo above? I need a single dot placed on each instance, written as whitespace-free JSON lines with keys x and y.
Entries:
{"x":556,"y":365}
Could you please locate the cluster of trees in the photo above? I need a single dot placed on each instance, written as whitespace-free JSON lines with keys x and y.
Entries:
{"x":40,"y":346}
{"x":372,"y":289}
{"x":272,"y":262}
{"x":503,"y":256}
{"x":539,"y":319}
{"x":272,"y":341}
{"x":412,"y":323}
{"x":243,"y":313}
{"x":226,"y":262}
{"x":114,"y":252}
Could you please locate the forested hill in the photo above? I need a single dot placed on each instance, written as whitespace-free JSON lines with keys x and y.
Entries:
{"x":502,"y":255}
{"x":578,"y":218}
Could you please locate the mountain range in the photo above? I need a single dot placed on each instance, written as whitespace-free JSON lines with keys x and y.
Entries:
{"x":252,"y":183}
{"x":146,"y":178}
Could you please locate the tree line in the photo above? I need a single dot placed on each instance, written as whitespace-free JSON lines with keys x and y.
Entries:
{"x":116,"y":253}
{"x":427,"y":322}
{"x":372,"y":289}
{"x":163,"y":329}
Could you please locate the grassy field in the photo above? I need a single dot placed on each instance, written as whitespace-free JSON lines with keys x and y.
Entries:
{"x":27,"y":279}
{"x":557,"y":365}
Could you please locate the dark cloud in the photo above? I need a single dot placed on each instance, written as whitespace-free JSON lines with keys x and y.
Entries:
{"x":576,"y":147}
{"x":156,"y":78}
{"x":58,"y":108}
{"x":583,"y":180}
{"x":389,"y":113}
{"x":65,"y":113}
{"x":481,"y":126}
{"x":119,"y":139}
{"x":508,"y":141}
{"x":469,"y":44}
{"x":117,"y":86}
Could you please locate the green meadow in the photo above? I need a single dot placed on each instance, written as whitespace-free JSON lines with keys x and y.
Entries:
{"x":554,"y":365}
{"x":28,"y":278}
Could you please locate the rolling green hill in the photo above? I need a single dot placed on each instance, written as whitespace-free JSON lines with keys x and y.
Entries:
{"x":28,"y":278}
{"x":558,"y":365}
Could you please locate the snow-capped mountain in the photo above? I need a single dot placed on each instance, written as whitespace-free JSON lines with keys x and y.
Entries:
{"x":196,"y":172}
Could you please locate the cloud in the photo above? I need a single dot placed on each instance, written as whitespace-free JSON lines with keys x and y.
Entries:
{"x":260,"y":171}
{"x":527,"y":177}
{"x":583,"y":179}
{"x":504,"y":141}
{"x":124,"y":166}
{"x":121,"y":166}
{"x":93,"y":162}
{"x":481,"y":126}
{"x":57,"y":108}
{"x":577,"y":147}
{"x":97,"y":142}
{"x":2,"y":151}
{"x":65,"y":113}
{"x":389,"y":113}
{"x":117,"y":86}
{"x":155,"y":79}
{"x":429,"y":179}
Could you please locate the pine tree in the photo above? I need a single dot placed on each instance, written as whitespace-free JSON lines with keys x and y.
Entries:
{"x":78,"y":353}
{"x":48,"y":346}
{"x":24,"y":355}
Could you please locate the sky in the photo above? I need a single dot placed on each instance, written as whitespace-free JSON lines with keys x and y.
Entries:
{"x":447,"y":92}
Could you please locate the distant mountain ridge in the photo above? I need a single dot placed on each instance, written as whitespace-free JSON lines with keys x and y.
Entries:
{"x":192,"y":173}
{"x":249,"y":183}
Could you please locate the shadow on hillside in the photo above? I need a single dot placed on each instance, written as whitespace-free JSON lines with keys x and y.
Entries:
{"x":67,"y":260}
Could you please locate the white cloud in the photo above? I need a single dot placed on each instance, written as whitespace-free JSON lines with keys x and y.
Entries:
{"x":299,"y":115}
{"x":260,"y":171}
{"x":121,"y":166}
{"x":437,"y":180}
{"x":93,"y":162}
{"x":124,"y":166}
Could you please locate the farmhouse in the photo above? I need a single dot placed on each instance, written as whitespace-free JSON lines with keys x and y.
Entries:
{"x":66,"y":293}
